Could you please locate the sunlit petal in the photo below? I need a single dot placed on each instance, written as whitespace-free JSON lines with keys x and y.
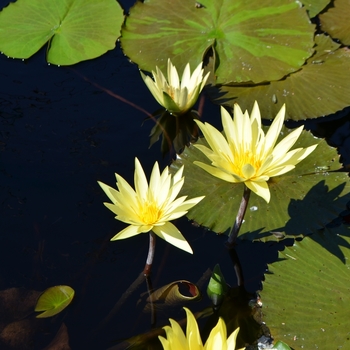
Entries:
{"x":192,"y":331}
{"x":219,"y":173}
{"x":140,"y":180}
{"x":127,"y":233}
{"x":172,"y":235}
{"x":260,"y":188}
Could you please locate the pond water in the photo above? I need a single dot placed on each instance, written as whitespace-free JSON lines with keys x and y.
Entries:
{"x":61,"y":130}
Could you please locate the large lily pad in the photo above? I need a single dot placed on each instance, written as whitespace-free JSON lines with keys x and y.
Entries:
{"x":302,"y":200}
{"x":336,"y":21}
{"x":306,"y":296}
{"x":253,"y":40}
{"x":319,"y":88}
{"x":77,"y":30}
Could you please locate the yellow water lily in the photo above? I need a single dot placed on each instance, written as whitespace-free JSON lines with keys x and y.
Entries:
{"x":150,"y":206}
{"x":175,"y":94}
{"x":177,"y":340}
{"x":246,"y":154}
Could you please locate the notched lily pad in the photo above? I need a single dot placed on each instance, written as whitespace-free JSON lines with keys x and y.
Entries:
{"x":321,"y":87}
{"x":54,"y":300}
{"x":336,"y":21}
{"x":76,"y":30}
{"x":253,"y":40}
{"x":306,"y":294}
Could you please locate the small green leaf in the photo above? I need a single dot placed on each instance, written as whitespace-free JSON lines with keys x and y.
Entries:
{"x":77,"y":30}
{"x":217,"y":287}
{"x":54,"y":300}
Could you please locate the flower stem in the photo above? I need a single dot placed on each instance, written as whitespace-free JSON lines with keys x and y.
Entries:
{"x":239,"y":218}
{"x":150,"y":256}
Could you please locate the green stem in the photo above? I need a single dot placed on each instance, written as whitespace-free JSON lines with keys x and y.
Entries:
{"x":239,"y":218}
{"x":150,"y":256}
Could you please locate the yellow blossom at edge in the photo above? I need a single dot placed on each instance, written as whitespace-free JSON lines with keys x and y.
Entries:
{"x":177,"y":340}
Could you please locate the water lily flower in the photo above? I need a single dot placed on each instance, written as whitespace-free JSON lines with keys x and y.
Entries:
{"x":150,"y":206}
{"x":217,"y":340}
{"x":246,"y":154}
{"x":176,"y":95}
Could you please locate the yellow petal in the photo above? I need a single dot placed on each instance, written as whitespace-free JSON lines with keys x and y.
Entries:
{"x":217,"y":337}
{"x":165,"y":343}
{"x":260,"y":188}
{"x":231,"y":340}
{"x":274,"y":130}
{"x":140,"y":180}
{"x":192,"y":332}
{"x":219,"y":173}
{"x":172,"y":235}
{"x":127,"y":233}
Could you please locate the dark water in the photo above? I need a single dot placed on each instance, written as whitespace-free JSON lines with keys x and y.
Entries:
{"x":61,"y":130}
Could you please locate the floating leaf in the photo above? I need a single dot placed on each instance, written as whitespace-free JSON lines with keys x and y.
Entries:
{"x":77,"y":30}
{"x":54,"y":300}
{"x":217,"y":287}
{"x":336,"y":21}
{"x":319,"y":88}
{"x":253,"y":40}
{"x":304,"y":199}
{"x":306,"y":297}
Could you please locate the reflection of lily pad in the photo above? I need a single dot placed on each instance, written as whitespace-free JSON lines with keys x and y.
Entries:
{"x":253,"y":40}
{"x":54,"y":300}
{"x":302,"y":200}
{"x":321,"y":87}
{"x":76,"y":29}
{"x":306,"y":297}
{"x":336,"y":21}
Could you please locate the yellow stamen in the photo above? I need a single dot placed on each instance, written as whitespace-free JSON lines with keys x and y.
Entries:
{"x":150,"y":213}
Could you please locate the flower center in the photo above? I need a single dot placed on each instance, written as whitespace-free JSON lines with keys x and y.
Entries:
{"x":150,"y":213}
{"x":246,"y":164}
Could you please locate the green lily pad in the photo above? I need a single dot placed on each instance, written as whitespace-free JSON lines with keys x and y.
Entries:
{"x":314,"y":7}
{"x":306,"y":295}
{"x":336,"y":21}
{"x":54,"y":300}
{"x":253,"y":40}
{"x":319,"y":88}
{"x":76,"y":30}
{"x":302,"y":200}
